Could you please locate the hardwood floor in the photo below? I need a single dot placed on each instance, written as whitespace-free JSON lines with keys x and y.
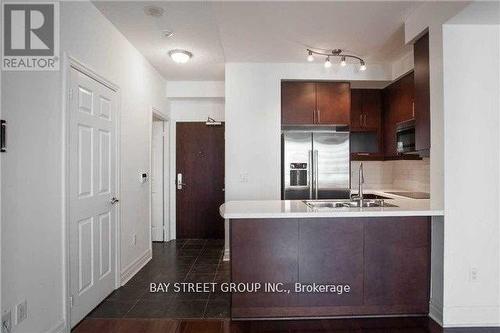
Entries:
{"x":368,"y":325}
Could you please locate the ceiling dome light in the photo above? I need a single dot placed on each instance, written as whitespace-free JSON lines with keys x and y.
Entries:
{"x":328,"y":63}
{"x":343,"y":62}
{"x":180,"y":56}
{"x":363,"y":66}
{"x":310,"y":57}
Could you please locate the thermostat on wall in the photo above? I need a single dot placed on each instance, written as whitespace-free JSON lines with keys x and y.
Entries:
{"x":144,"y":177}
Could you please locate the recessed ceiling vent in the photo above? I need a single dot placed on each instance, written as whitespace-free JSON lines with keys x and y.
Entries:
{"x":154,"y":11}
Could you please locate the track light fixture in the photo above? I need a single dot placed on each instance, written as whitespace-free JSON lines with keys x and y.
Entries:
{"x":335,"y":53}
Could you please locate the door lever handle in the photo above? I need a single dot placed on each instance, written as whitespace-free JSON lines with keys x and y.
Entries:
{"x":114,"y":200}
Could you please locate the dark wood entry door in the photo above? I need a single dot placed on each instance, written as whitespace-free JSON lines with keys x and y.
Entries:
{"x":200,"y":160}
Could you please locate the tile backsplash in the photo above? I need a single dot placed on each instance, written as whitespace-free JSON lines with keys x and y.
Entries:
{"x":411,"y":175}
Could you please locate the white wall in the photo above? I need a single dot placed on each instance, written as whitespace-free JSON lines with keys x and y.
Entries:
{"x":253,"y":124}
{"x":430,"y":16}
{"x":195,"y":89}
{"x":32,"y":183}
{"x":471,"y":170}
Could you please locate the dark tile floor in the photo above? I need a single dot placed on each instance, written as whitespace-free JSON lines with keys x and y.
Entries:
{"x":193,"y":260}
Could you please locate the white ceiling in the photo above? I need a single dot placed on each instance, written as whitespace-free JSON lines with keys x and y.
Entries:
{"x":219,"y":32}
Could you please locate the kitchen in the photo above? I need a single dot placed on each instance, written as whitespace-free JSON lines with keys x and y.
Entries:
{"x":328,"y":227}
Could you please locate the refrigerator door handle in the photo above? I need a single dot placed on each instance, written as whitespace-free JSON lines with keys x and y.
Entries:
{"x":316,"y":176}
{"x":310,"y":174}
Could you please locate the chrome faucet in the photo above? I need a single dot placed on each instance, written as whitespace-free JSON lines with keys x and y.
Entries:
{"x":361,"y":181}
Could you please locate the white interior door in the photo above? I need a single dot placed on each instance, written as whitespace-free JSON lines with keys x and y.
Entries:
{"x":157,"y":181}
{"x":92,"y":174}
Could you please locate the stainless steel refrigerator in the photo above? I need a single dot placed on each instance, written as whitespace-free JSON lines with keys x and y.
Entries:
{"x":315,"y":165}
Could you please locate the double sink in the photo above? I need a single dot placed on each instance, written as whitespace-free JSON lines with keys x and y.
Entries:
{"x":369,"y":200}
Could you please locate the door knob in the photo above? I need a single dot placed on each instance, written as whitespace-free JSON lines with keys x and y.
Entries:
{"x":114,"y":200}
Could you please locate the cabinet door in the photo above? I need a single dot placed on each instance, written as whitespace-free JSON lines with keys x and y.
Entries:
{"x":372,"y":108}
{"x":389,"y":121}
{"x":422,"y":97}
{"x":331,"y":251}
{"x":333,"y":102}
{"x":397,"y":263}
{"x":356,"y":109}
{"x":298,"y":103}
{"x":406,"y":91}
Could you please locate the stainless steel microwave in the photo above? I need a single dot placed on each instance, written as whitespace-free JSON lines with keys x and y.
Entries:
{"x":405,"y":136}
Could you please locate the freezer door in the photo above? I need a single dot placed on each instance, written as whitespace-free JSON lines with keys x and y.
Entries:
{"x":331,"y":165}
{"x":296,"y":165}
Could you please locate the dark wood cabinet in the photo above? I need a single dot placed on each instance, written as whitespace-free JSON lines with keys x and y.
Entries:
{"x":357,"y":109}
{"x":325,"y":257}
{"x":422,"y":94}
{"x":372,"y":108}
{"x":366,"y":109}
{"x":315,"y":103}
{"x":384,"y":260}
{"x":398,"y":107}
{"x":333,"y":103}
{"x":298,"y":103}
{"x":366,"y":124}
{"x":397,"y":262}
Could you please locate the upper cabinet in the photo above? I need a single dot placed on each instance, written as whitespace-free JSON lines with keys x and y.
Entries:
{"x":366,"y":109}
{"x":315,"y":103}
{"x":298,"y":103}
{"x":422,"y":94}
{"x":366,"y":124}
{"x":333,"y":103}
{"x":398,"y":107}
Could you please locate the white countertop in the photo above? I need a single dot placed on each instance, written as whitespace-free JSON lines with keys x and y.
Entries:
{"x":253,"y":209}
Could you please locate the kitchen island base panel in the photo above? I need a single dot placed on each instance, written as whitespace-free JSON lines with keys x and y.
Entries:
{"x":385,"y":261}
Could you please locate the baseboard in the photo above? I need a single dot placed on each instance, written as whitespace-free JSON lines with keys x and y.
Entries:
{"x":436,"y":312}
{"x":59,"y":327}
{"x":471,"y":317}
{"x":135,"y":266}
{"x":226,"y":255}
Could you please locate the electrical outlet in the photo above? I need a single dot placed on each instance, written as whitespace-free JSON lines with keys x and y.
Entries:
{"x":7,"y":322}
{"x":21,"y":312}
{"x":473,"y":274}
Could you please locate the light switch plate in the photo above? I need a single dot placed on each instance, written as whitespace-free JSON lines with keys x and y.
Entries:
{"x":21,"y":312}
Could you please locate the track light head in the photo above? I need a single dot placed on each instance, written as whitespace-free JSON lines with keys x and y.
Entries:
{"x":342,"y":61}
{"x":310,"y":57}
{"x":363,"y":66}
{"x":328,"y":63}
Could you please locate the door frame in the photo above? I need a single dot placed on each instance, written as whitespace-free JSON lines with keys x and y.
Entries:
{"x":167,"y":231}
{"x":70,"y":63}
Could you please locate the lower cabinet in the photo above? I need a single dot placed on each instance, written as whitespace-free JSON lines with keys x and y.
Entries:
{"x":385,"y":262}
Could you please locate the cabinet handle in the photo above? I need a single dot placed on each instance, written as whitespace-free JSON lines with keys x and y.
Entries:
{"x":319,"y":116}
{"x":361,"y":120}
{"x":413,"y":109}
{"x":365,"y":119}
{"x":314,"y":116}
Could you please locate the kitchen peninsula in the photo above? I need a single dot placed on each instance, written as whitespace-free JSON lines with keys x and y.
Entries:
{"x":381,"y":253}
